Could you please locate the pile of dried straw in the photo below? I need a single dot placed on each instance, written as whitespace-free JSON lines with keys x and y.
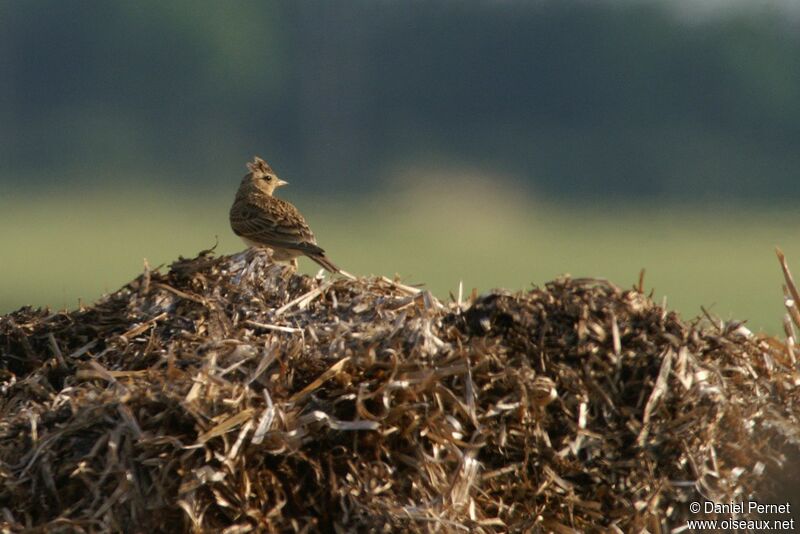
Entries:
{"x":232,"y":395}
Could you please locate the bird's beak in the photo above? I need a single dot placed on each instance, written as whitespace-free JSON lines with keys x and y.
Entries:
{"x":280,"y":182}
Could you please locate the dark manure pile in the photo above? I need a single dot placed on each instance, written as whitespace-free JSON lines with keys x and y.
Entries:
{"x":230,"y":395}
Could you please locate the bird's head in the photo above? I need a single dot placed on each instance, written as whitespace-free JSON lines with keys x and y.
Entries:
{"x":261,"y":177}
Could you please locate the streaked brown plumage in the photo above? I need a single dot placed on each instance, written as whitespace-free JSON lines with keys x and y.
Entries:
{"x":262,"y":220}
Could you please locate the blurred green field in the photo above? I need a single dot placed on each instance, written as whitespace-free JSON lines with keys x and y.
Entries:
{"x":61,"y":246}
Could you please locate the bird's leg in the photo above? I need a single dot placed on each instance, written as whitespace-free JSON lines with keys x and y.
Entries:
{"x":294,"y":264}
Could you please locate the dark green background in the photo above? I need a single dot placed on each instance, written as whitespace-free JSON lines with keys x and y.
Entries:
{"x":575,"y":99}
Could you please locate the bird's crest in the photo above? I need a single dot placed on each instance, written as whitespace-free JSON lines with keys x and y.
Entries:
{"x":259,"y":166}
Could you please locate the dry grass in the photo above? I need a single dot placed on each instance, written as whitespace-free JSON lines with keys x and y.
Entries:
{"x":232,"y":395}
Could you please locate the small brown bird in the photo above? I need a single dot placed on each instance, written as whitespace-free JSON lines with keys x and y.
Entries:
{"x":262,"y":220}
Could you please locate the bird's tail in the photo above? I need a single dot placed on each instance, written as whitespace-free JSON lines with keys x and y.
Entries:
{"x":323,"y":260}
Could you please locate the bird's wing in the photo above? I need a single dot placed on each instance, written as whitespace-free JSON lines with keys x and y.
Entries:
{"x":273,"y":223}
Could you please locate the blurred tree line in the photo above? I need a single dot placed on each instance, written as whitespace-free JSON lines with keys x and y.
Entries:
{"x":579,"y":99}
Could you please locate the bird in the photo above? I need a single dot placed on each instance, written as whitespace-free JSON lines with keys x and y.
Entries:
{"x":262,"y":220}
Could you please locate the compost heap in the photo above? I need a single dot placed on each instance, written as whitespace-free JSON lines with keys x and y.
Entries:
{"x":230,"y":394}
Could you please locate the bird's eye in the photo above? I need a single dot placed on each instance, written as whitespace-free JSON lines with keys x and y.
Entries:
{"x":268,"y":178}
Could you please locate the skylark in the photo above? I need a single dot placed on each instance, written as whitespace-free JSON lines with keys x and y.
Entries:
{"x":262,"y":220}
